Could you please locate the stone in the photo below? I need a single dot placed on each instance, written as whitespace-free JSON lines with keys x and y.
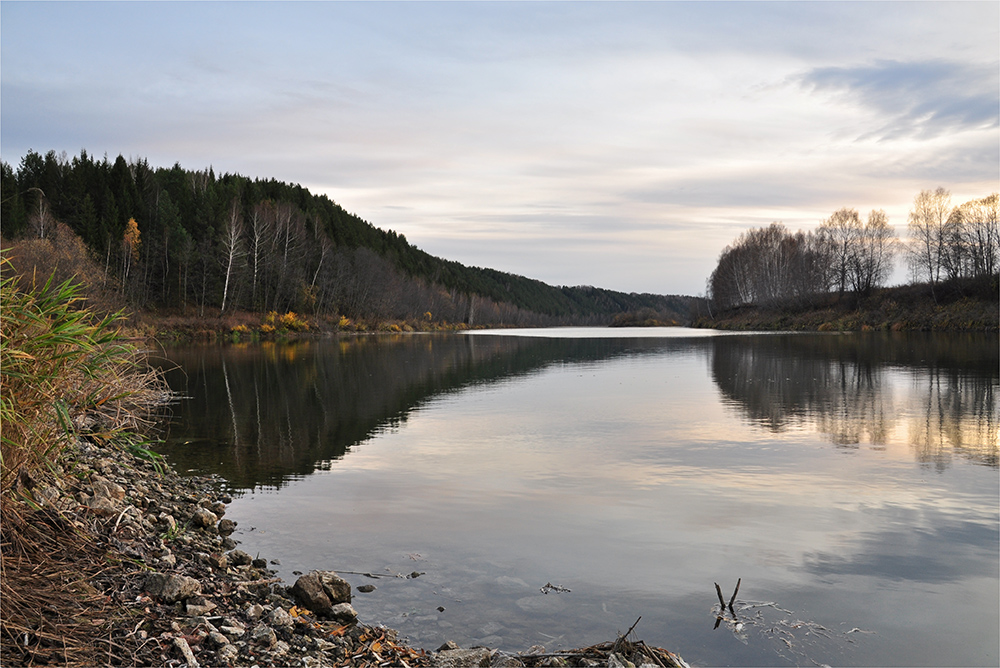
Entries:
{"x":337,"y":588}
{"x":460,"y":658}
{"x":255,"y":611}
{"x":220,"y":561}
{"x":47,"y":496}
{"x":259,"y":563}
{"x":226,"y":527}
{"x":240,"y":558}
{"x":280,"y":618}
{"x":308,"y":591}
{"x":104,"y":488}
{"x":204,"y":518}
{"x":280,"y":648}
{"x":617,"y":661}
{"x":102,"y":506}
{"x":366,"y":589}
{"x":344,"y":613}
{"x":217,"y":639}
{"x":227,"y":655}
{"x":199,"y":606}
{"x":262,"y":633}
{"x":182,"y":646}
{"x":172,"y":588}
{"x":165,"y":518}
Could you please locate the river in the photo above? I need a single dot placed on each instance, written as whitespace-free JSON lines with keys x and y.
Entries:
{"x":849,"y":481}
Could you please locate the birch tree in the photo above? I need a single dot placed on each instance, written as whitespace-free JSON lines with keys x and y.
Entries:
{"x":261,"y":231}
{"x":232,"y":245}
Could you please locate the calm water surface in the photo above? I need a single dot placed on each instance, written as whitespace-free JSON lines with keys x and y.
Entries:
{"x":849,"y":480}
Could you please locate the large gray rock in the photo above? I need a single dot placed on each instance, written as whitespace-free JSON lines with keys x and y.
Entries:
{"x":321,"y":591}
{"x":172,"y":588}
{"x":336,"y":587}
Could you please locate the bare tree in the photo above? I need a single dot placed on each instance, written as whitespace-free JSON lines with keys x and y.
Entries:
{"x":843,"y":229}
{"x":974,"y":238}
{"x":261,"y":233}
{"x":928,"y":231}
{"x":40,"y":221}
{"x":871,"y":259}
{"x":232,"y":245}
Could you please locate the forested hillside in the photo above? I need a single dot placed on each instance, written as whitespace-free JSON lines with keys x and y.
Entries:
{"x":173,"y":238}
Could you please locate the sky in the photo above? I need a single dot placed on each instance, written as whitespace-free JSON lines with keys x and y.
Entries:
{"x":621,"y":145}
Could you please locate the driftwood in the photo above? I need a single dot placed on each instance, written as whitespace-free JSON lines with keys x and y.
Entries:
{"x":722,"y":602}
{"x":620,"y":652}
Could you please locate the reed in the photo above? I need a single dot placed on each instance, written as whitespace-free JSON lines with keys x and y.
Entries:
{"x":64,"y":371}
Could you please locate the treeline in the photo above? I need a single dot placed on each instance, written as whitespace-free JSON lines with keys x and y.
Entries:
{"x":771,"y":265}
{"x":197,"y":241}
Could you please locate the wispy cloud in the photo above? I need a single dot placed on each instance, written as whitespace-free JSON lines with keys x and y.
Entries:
{"x":917,"y":99}
{"x":618,"y":144}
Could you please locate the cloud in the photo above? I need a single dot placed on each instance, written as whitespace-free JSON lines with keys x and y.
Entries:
{"x":922,"y":99}
{"x":948,"y":551}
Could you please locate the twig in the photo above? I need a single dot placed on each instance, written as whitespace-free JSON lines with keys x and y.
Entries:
{"x":631,"y":627}
{"x":370,"y":575}
{"x":735,"y":591}
{"x":718,"y":590}
{"x":245,"y":583}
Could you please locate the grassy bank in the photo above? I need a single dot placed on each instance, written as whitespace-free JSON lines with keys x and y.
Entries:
{"x":248,"y":326}
{"x":956,"y":306}
{"x":63,"y":372}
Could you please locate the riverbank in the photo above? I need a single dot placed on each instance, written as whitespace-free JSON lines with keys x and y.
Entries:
{"x":958,"y":306}
{"x":147,"y":573}
{"x":249,"y":326}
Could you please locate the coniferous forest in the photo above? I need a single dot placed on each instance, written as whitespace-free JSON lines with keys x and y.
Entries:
{"x":196,"y":242}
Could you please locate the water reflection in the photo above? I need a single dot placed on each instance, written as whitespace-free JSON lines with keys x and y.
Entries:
{"x":633,"y":472}
{"x":936,"y":392}
{"x":264,"y":414}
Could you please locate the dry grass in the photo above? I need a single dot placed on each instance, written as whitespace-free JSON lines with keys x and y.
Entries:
{"x":63,"y":372}
{"x":52,"y":614}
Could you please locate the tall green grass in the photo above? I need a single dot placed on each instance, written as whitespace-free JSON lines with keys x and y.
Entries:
{"x":63,"y":371}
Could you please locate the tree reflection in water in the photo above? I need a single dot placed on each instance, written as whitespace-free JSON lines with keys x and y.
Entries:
{"x":938,"y":392}
{"x":263,"y":414}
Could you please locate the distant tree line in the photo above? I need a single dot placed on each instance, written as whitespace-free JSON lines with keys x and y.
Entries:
{"x":770,"y":265}
{"x":196,"y":241}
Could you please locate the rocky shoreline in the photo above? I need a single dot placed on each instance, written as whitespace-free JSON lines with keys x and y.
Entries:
{"x":184,"y":594}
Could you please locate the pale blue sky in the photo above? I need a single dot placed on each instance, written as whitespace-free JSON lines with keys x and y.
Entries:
{"x":614,"y":144}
